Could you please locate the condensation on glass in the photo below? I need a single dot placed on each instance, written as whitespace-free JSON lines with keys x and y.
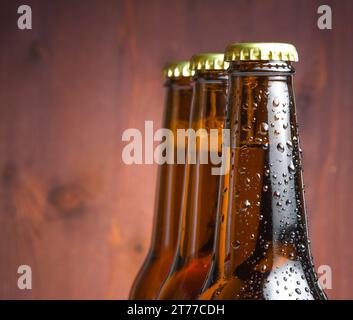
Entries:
{"x":262,"y":249}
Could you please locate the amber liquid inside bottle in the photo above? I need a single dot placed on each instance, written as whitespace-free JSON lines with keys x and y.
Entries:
{"x":168,"y":197}
{"x":199,"y":210}
{"x":262,"y":249}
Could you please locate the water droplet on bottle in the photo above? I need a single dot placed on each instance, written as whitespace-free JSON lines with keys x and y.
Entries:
{"x":275,"y":102}
{"x":302,"y":248}
{"x":265,"y":146}
{"x":280,"y":147}
{"x":263,"y":128}
{"x":263,"y":268}
{"x":297,"y":290}
{"x":242,"y":170}
{"x":285,"y":125}
{"x":277,"y":194}
{"x":289,"y":145}
{"x":247,"y":203}
{"x":235,"y":244}
{"x":291,"y":168}
{"x":265,"y":188}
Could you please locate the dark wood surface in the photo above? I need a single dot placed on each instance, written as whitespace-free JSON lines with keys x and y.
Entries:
{"x":88,"y":70}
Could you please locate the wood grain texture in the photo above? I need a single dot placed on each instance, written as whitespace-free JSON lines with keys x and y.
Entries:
{"x":88,"y":70}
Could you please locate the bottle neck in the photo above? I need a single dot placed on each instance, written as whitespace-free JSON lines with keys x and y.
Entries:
{"x":177,"y":104}
{"x":201,"y":187}
{"x":169,"y":187}
{"x":265,"y":222}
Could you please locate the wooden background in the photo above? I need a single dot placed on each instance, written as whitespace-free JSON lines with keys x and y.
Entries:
{"x":89,"y":69}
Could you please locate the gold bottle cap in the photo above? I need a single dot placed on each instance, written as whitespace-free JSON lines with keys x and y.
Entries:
{"x":248,"y":51}
{"x":208,"y":61}
{"x":177,"y":69}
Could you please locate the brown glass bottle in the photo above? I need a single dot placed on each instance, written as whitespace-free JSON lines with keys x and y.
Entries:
{"x":178,"y":86}
{"x":262,"y":249}
{"x":199,"y":209}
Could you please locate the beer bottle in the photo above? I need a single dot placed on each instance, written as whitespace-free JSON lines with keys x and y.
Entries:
{"x":196,"y":234}
{"x":178,"y":86}
{"x":262,"y":249}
